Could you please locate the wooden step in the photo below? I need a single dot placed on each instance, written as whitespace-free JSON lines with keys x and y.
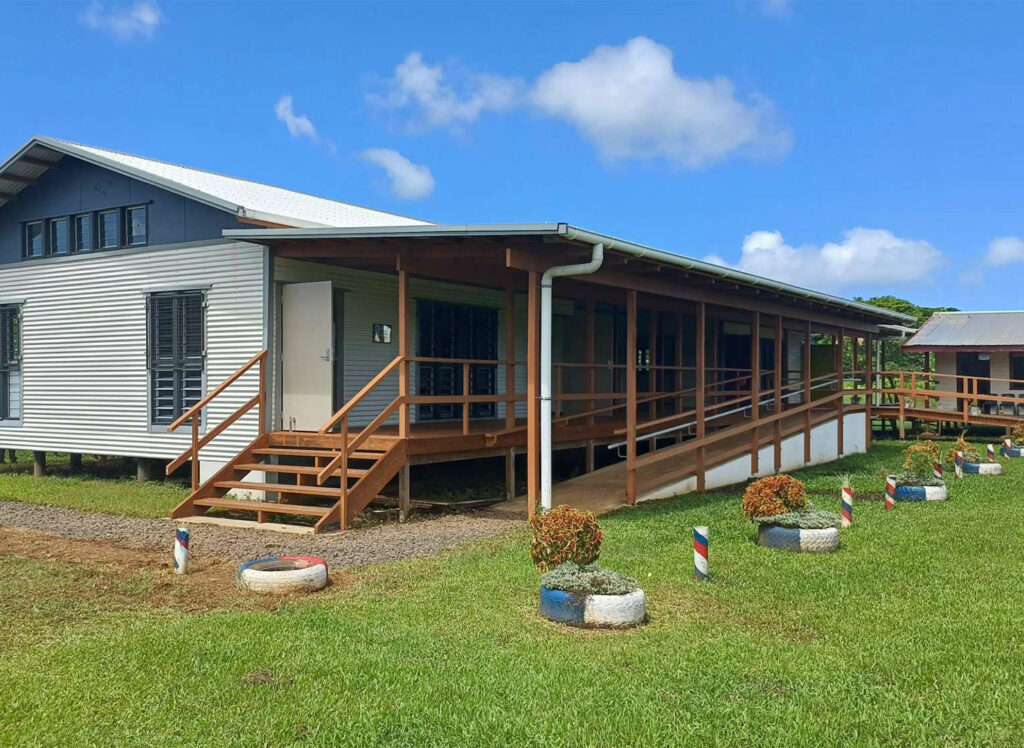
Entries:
{"x":263,"y":506}
{"x":330,"y":454}
{"x":267,"y":467}
{"x":326,"y":491}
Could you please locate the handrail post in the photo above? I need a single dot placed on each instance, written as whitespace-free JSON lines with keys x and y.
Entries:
{"x":195,"y":450}
{"x":465,"y":405}
{"x":344,"y":473}
{"x":262,"y":429}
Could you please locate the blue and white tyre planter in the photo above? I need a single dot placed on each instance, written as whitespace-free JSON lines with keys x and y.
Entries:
{"x":282,"y":575}
{"x":1013,"y":451}
{"x":604,"y":611}
{"x":921,"y":493}
{"x":824,"y":540}
{"x":982,"y":468}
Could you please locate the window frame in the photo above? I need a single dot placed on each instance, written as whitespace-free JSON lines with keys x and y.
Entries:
{"x":1016,"y":383}
{"x":26,"y":242}
{"x":180,"y":363}
{"x":51,"y":244}
{"x":128,"y":225}
{"x":77,"y":247}
{"x":7,"y":365}
{"x":99,"y":228}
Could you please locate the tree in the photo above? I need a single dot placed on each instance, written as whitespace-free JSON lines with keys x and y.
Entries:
{"x":896,"y":359}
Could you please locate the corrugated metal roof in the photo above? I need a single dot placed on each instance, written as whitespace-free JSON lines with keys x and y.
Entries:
{"x":252,"y":200}
{"x":967,"y":329}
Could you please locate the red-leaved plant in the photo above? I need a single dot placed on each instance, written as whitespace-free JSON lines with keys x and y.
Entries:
{"x":564,"y":534}
{"x":775,"y":494}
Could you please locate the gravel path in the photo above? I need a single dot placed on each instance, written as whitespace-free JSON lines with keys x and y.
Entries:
{"x":368,"y":545}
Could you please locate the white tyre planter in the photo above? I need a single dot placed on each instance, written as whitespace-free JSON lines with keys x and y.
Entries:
{"x":982,"y":468}
{"x":601,"y":611}
{"x":824,"y":540}
{"x":921,"y":493}
{"x":281,"y":575}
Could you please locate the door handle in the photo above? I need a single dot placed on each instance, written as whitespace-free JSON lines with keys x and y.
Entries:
{"x":328,"y":354}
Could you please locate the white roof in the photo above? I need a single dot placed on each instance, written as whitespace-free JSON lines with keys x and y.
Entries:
{"x":252,"y":200}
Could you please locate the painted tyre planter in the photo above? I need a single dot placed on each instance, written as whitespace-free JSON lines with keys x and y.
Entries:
{"x":602,"y":611}
{"x":824,"y":540}
{"x":281,"y":575}
{"x":982,"y":468}
{"x":921,"y":493}
{"x":1014,"y":451}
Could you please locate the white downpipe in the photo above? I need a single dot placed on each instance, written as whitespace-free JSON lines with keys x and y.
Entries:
{"x":560,"y":271}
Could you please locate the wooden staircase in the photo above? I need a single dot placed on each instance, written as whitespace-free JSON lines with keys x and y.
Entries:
{"x":291,"y":463}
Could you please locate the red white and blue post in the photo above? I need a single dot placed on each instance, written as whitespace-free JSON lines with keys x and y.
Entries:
{"x":890,"y":492}
{"x":958,"y":465}
{"x":991,"y":453}
{"x":846,"y":506}
{"x":1007,"y":446}
{"x":700,"y":553}
{"x":937,"y":470}
{"x":181,"y":550}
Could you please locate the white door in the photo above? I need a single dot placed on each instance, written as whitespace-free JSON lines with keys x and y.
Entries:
{"x":307,"y":355}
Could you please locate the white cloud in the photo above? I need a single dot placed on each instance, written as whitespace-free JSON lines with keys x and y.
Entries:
{"x":443,"y":98}
{"x":408,"y":180}
{"x":124,"y":21}
{"x":627,"y":100}
{"x":1005,"y":250}
{"x":865,"y":257}
{"x":776,"y":8}
{"x":299,"y":125}
{"x":630,"y":102}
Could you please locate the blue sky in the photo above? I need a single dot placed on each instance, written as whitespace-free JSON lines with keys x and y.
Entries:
{"x":858,"y":148}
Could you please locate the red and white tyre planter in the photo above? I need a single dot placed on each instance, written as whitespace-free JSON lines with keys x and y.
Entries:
{"x":282,"y":575}
{"x":599,"y":611}
{"x":823,"y":540}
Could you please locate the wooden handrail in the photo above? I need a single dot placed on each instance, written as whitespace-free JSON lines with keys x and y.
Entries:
{"x":349,"y":447}
{"x":194,"y":414}
{"x":345,"y":409}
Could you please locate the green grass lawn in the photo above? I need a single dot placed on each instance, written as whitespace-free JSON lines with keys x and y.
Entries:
{"x":102,"y":486}
{"x":911,"y":634}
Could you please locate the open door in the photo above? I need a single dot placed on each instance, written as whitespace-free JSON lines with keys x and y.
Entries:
{"x":307,"y":355}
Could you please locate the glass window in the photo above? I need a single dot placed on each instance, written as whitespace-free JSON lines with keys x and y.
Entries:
{"x":177,"y":355}
{"x":135,"y":221}
{"x":83,"y":233}
{"x":34,"y":239}
{"x":10,"y":362}
{"x":1017,"y":371}
{"x":109,"y":235}
{"x":60,"y":239}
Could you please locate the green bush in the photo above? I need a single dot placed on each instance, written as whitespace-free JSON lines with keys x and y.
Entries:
{"x":564,"y":534}
{"x":918,"y":479}
{"x":587,"y":579}
{"x":962,"y":445}
{"x":919,"y":458}
{"x":804,"y":519}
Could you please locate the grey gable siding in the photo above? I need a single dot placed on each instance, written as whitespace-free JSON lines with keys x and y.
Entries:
{"x":76,"y":186}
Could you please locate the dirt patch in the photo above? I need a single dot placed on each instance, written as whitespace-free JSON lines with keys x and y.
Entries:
{"x":209,"y":584}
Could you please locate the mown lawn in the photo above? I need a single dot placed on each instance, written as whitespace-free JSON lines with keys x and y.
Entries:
{"x":107,"y":486}
{"x":911,"y":634}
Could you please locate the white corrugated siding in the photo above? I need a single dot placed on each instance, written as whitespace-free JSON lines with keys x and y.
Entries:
{"x":86,"y":385}
{"x":373,"y":297}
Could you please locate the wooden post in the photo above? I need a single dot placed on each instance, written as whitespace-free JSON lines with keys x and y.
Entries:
{"x":510,"y":389}
{"x":403,"y":351}
{"x":75,"y":462}
{"x":869,"y":392}
{"x":678,"y":378}
{"x":841,"y":389}
{"x":652,"y":368}
{"x":777,"y":436}
{"x":195,"y":450}
{"x":533,"y":395}
{"x":39,"y":464}
{"x":902,"y":400}
{"x":403,"y":492}
{"x":700,"y":386}
{"x":591,"y":334}
{"x":755,"y":392}
{"x":262,"y":391}
{"x":807,"y":392}
{"x":631,"y":325}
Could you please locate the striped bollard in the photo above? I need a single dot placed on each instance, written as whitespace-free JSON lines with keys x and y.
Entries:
{"x":181,"y":550}
{"x":1007,"y":446}
{"x":890,"y":492}
{"x":700,"y":553}
{"x":958,"y":465}
{"x":846,"y":506}
{"x":937,"y":470}
{"x":991,"y":453}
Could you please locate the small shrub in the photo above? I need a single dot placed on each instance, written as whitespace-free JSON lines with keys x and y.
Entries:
{"x":564,"y":534}
{"x":587,"y":579}
{"x":918,"y":479}
{"x":805,"y":519}
{"x":962,"y":445}
{"x":773,"y":495}
{"x":920,"y":458}
{"x":1017,"y":435}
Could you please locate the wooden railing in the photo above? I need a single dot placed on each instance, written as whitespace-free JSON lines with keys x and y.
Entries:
{"x":924,"y":390}
{"x":194,"y":414}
